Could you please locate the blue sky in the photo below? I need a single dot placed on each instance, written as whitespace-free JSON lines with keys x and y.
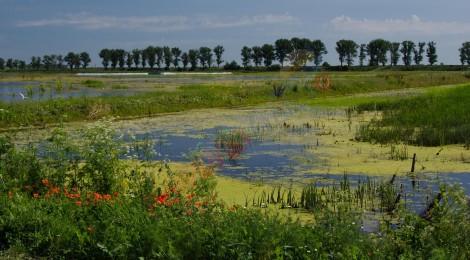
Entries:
{"x":38,"y":27}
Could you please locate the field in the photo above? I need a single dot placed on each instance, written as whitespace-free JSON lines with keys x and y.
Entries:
{"x":294,"y":165}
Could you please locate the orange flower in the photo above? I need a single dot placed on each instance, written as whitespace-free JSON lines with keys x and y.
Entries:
{"x":36,"y":195}
{"x":116,"y":194}
{"x":78,"y":203}
{"x":106,"y":197}
{"x":172,"y":202}
{"x":97,"y":196}
{"x":72,"y":195}
{"x":190,"y":196}
{"x":54,"y":190}
{"x":45,"y":182}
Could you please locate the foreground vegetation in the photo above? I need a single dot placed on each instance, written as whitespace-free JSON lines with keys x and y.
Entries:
{"x":65,"y":199}
{"x":436,"y":119}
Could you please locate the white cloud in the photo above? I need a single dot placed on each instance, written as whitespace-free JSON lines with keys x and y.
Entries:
{"x":157,"y":23}
{"x":412,"y":25}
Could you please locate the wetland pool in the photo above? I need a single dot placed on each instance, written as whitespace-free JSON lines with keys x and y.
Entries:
{"x":23,"y":91}
{"x":295,"y":143}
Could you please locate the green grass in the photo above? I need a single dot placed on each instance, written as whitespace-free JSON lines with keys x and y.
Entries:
{"x":441,"y":117}
{"x":227,"y":94}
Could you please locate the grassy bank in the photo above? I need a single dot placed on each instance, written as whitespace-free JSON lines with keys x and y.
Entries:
{"x":81,"y":200}
{"x":229,"y":93}
{"x":435,"y":119}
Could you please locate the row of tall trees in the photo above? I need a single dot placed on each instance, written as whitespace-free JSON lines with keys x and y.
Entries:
{"x":162,"y":57}
{"x":298,"y":51}
{"x":12,"y":64}
{"x":379,"y":51}
{"x":48,"y":62}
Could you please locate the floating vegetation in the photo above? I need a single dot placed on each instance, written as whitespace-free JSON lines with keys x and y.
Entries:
{"x":93,"y":83}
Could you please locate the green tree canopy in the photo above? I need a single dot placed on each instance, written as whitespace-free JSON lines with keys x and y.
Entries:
{"x":282,"y":48}
{"x":406,"y":50}
{"x":246,"y":56}
{"x":377,"y":50}
{"x":85,"y":59}
{"x":394,"y":53}
{"x":268,"y":54}
{"x":347,"y":51}
{"x":219,"y":51}
{"x":176,"y":56}
{"x":431,"y":53}
{"x":193,"y":56}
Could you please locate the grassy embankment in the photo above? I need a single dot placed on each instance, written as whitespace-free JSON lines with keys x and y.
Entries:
{"x":230,"y":93}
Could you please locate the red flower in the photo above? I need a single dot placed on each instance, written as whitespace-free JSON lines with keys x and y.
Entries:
{"x":161,"y":199}
{"x":78,"y":203}
{"x":115,"y":194}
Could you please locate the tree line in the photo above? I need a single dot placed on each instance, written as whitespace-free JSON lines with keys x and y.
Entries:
{"x":380,"y":52}
{"x":71,"y":60}
{"x":162,"y":58}
{"x":298,"y":52}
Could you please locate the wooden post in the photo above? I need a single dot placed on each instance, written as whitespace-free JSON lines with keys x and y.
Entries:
{"x":413,"y":163}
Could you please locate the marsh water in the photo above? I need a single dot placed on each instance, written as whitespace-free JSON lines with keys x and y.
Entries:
{"x":270,"y":144}
{"x":21,"y":91}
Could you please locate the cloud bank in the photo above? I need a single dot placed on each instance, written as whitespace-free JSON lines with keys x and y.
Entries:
{"x":412,"y":25}
{"x":89,"y":21}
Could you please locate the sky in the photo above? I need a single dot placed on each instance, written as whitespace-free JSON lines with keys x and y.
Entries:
{"x":37,"y":27}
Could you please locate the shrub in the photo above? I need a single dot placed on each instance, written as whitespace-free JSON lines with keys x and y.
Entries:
{"x":279,"y":88}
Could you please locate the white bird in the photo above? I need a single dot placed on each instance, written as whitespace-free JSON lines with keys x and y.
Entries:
{"x":22,"y":96}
